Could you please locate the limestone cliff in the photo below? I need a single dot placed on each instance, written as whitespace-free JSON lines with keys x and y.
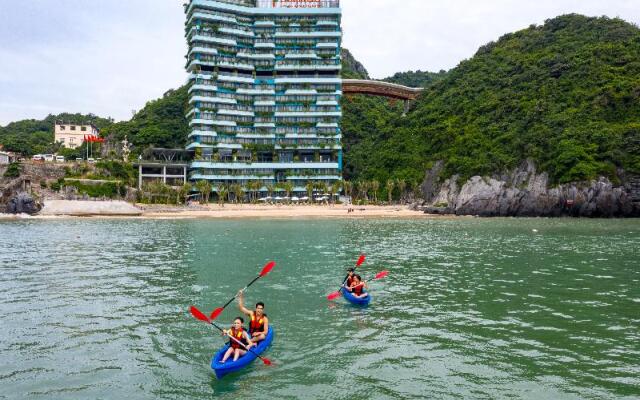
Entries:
{"x":526,"y":193}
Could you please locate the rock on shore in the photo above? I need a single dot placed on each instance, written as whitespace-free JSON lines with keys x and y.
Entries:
{"x":526,"y":193}
{"x":23,"y":203}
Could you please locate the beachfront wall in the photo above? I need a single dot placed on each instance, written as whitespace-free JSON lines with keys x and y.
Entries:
{"x":265,"y":91}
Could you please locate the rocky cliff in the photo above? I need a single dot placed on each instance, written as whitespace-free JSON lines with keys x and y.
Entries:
{"x":526,"y":193}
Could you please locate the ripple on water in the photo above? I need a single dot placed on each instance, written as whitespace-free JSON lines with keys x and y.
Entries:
{"x":472,"y":309}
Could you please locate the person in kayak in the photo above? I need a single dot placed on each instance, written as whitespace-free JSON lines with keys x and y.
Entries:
{"x":237,"y":332}
{"x":348,"y":280}
{"x":258,"y":321}
{"x":357,"y":287}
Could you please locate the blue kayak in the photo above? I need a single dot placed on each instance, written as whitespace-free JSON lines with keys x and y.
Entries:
{"x":232,"y":366}
{"x":356,"y":300}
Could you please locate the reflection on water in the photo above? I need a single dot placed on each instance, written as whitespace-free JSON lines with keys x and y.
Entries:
{"x":473,"y":308}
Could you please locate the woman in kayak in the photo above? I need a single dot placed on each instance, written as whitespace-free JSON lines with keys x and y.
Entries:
{"x":241,"y":337}
{"x":258,"y":321}
{"x":357,"y":287}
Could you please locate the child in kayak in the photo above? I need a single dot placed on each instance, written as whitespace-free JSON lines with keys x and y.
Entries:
{"x":357,"y":287}
{"x":237,"y":332}
{"x":258,"y":321}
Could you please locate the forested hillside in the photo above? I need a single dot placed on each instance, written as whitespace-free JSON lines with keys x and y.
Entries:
{"x":161,"y":123}
{"x":416,"y":78}
{"x":565,"y":94}
{"x":33,"y":136}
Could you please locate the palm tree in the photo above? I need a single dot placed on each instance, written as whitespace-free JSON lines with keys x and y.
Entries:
{"x":402,"y":185}
{"x":310,"y":186}
{"x":375,"y":186}
{"x":204,"y":187}
{"x":252,"y":187}
{"x":348,"y":188}
{"x":288,"y":188}
{"x":270,"y":189}
{"x":239,"y":191}
{"x":322,"y":187}
{"x":363,"y":189}
{"x":335,"y":187}
{"x":390,"y":185}
{"x":222,"y":193}
{"x":184,"y":192}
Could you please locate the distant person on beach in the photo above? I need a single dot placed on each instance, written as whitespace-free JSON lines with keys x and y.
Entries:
{"x":357,"y":287}
{"x":258,"y":323}
{"x":237,"y":332}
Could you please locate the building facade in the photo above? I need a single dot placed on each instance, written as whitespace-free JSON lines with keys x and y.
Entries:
{"x":72,"y":135}
{"x":265,"y":91}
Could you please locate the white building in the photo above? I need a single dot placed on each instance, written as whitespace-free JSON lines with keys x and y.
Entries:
{"x":72,"y":135}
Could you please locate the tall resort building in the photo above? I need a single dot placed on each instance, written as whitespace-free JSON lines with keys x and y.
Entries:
{"x":265,"y":92}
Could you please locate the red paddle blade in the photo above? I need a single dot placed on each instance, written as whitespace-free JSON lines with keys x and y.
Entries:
{"x":267,"y":268}
{"x":216,"y":313}
{"x":266,"y":361}
{"x":198,"y":314}
{"x":334,"y":295}
{"x":381,"y":275}
{"x":361,"y":260}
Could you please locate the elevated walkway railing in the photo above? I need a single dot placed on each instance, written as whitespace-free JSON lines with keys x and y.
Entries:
{"x":380,"y":88}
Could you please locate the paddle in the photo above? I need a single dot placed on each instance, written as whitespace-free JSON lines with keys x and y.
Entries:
{"x":265,"y":270}
{"x":200,"y":316}
{"x":380,"y":275}
{"x":337,"y":294}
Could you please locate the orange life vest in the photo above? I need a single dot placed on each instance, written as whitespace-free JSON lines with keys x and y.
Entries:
{"x":357,"y":290}
{"x":238,"y":334}
{"x":256,"y":325}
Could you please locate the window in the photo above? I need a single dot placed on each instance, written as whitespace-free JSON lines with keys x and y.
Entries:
{"x":83,"y":128}
{"x":62,"y":127}
{"x":73,"y":128}
{"x":71,"y":140}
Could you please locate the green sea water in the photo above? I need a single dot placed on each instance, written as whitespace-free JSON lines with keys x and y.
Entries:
{"x":473,"y":308}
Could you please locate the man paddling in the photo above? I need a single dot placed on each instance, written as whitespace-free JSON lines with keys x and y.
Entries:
{"x":258,"y":322}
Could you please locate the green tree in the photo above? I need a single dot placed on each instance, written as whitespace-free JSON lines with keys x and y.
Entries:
{"x":223,"y":192}
{"x":204,"y":187}
{"x":390,"y":186}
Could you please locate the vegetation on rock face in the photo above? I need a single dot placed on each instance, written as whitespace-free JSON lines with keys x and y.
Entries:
{"x":565,"y":94}
{"x":374,"y":150}
{"x":352,"y":68}
{"x":417,"y":78}
{"x":13,"y":170}
{"x":161,"y":123}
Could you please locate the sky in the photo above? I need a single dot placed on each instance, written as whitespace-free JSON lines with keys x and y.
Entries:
{"x":109,"y":57}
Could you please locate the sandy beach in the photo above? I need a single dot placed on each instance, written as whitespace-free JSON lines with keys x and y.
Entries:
{"x":120,"y":209}
{"x":284,"y":211}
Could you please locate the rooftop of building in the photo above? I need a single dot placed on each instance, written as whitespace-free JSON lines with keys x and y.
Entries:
{"x":282,"y":3}
{"x":60,"y":122}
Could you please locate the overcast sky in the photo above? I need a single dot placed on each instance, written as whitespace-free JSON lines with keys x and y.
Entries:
{"x":109,"y":57}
